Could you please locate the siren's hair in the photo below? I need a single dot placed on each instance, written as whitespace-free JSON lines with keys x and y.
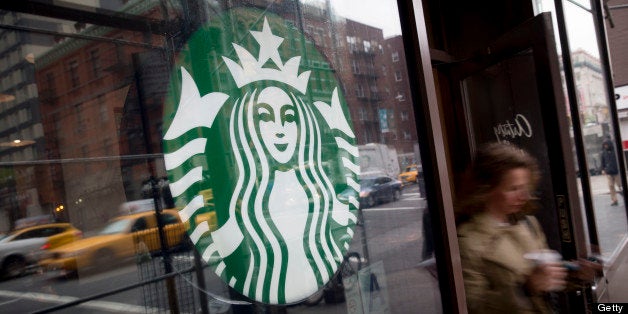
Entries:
{"x":266,"y":265}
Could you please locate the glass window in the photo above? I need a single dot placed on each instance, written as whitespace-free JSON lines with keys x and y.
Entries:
{"x":362,"y":114}
{"x":37,"y":233}
{"x":601,"y":153}
{"x":595,"y":116}
{"x":50,"y":83}
{"x":139,"y":225}
{"x":398,"y":76}
{"x":359,"y":91}
{"x":250,"y":122}
{"x":73,"y":68}
{"x":355,"y":66}
{"x":94,"y":57}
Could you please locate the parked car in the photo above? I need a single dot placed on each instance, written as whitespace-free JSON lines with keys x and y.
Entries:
{"x":120,"y":241}
{"x":411,"y":174}
{"x":374,"y":190}
{"x":24,"y":248}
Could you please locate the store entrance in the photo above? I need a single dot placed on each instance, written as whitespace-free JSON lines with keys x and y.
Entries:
{"x":511,"y":91}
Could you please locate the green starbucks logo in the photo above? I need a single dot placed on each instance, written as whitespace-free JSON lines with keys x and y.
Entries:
{"x":265,"y":147}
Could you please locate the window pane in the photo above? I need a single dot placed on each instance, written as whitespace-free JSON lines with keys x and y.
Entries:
{"x":257,"y":125}
{"x":598,"y":129}
{"x":594,"y":109}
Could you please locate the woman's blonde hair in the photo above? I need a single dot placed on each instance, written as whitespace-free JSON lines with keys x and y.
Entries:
{"x":492,"y":161}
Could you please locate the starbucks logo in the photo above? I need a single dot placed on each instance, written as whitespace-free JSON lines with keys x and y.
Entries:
{"x":257,"y":151}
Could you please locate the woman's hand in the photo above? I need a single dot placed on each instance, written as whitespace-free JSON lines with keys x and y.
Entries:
{"x":547,"y":277}
{"x":587,"y":270}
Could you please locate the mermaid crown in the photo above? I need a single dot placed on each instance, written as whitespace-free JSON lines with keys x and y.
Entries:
{"x":252,"y":70}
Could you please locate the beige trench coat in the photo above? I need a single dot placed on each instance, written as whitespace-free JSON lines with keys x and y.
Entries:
{"x":494,"y":268}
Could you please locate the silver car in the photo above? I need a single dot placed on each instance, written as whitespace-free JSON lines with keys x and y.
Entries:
{"x":24,"y":248}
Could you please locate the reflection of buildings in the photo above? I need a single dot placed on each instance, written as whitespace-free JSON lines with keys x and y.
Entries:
{"x":372,"y":72}
{"x":590,"y":87}
{"x":25,"y":189}
{"x":92,"y":90}
{"x":593,"y":105}
{"x":353,"y":49}
{"x":618,"y":49}
{"x":79,"y":115}
{"x":88,"y":97}
{"x":399,"y":103}
{"x":363,"y":80}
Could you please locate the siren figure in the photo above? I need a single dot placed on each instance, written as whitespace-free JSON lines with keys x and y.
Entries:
{"x":280,"y":242}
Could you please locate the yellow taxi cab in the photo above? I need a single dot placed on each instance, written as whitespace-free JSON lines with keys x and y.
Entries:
{"x":410,"y":174}
{"x":119,"y":241}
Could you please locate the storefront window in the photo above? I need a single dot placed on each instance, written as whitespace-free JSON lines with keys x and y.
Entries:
{"x":264,"y":132}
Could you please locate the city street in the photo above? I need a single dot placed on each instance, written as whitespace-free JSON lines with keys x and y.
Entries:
{"x":394,"y":237}
{"x":38,"y":291}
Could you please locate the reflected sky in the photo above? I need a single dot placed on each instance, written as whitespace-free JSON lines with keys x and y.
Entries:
{"x":378,"y":13}
{"x":581,"y":29}
{"x":580,"y":26}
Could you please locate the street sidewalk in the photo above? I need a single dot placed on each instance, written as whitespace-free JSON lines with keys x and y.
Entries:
{"x":599,"y":185}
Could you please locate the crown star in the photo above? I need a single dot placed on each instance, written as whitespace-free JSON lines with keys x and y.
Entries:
{"x":251,"y":70}
{"x":269,"y":45}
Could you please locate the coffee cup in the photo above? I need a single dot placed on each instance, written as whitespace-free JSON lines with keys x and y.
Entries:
{"x":543,"y":257}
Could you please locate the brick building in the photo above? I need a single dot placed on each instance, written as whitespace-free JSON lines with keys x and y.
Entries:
{"x":88,"y":94}
{"x":108,"y":86}
{"x":399,"y":102}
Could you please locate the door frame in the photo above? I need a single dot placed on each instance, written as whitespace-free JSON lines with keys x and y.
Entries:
{"x":536,"y":35}
{"x":430,"y":123}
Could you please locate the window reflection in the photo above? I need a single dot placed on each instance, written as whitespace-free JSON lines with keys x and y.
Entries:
{"x":88,"y":116}
{"x":595,"y":115}
{"x":597,"y":127}
{"x":594,"y":109}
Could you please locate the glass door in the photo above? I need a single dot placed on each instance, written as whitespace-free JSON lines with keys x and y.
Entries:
{"x":511,"y":92}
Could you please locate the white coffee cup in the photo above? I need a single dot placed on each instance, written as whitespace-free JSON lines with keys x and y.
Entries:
{"x":544,"y":257}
